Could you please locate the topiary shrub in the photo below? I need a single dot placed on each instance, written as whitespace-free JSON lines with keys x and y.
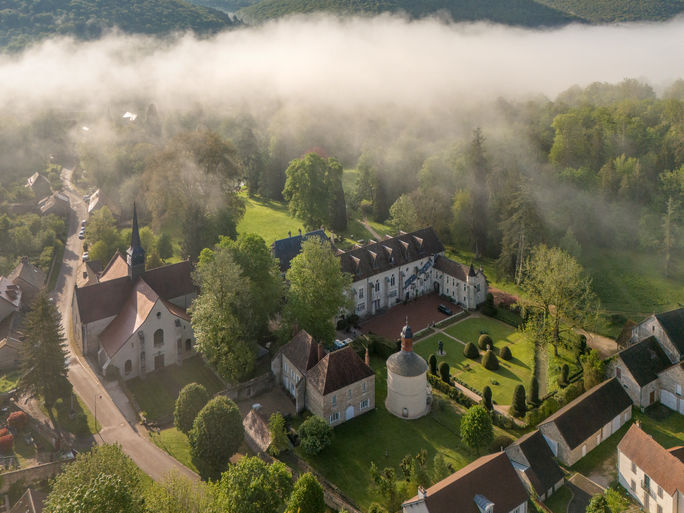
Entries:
{"x":432,"y":361}
{"x":485,"y":341}
{"x":470,"y":351}
{"x":6,"y":443}
{"x":490,"y":361}
{"x":191,"y":399}
{"x":534,"y":391}
{"x":487,"y":397}
{"x":17,"y":420}
{"x":506,"y":353}
{"x":500,"y":443}
{"x":519,"y":406}
{"x":444,"y":372}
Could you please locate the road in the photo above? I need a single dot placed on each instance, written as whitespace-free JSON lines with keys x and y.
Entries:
{"x":116,"y":427}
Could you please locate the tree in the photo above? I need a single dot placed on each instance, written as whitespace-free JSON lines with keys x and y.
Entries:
{"x":219,"y":313}
{"x":617,"y":502}
{"x":476,"y":428}
{"x":519,"y":406}
{"x":44,"y":367}
{"x":315,"y":434}
{"x":318,"y":289}
{"x":487,"y":398}
{"x":191,"y":399}
{"x":440,"y":469}
{"x":506,"y":353}
{"x":479,"y":168}
{"x":565,"y":372}
{"x":164,"y":246}
{"x":485,"y":342}
{"x":253,"y":486}
{"x":103,"y":479}
{"x":313,"y":189}
{"x":215,"y":436}
{"x":307,"y":496}
{"x":470,"y":351}
{"x":101,"y":234}
{"x":490,"y":361}
{"x":432,"y":361}
{"x":179,"y":494}
{"x":385,"y":483}
{"x":598,"y":504}
{"x":276,"y":426}
{"x":593,"y":369}
{"x":669,"y":229}
{"x":444,"y":372}
{"x":534,"y":390}
{"x":556,"y":284}
{"x":403,"y":214}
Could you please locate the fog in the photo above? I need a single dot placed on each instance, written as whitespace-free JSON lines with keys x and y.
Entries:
{"x":327,"y":61}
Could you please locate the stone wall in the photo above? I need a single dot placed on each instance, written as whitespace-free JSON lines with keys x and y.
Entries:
{"x":31,"y":475}
{"x":248,"y":389}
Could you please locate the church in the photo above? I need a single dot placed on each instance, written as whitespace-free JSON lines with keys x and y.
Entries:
{"x":132,"y":320}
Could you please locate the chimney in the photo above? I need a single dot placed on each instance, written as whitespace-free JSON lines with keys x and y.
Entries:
{"x":422,"y":493}
{"x":367,"y":358}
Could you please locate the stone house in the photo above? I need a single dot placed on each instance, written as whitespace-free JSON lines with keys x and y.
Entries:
{"x":55,"y":204}
{"x":584,"y":423}
{"x":487,"y":485}
{"x":39,"y":185}
{"x":10,"y":298}
{"x":534,"y":462}
{"x":29,"y":278}
{"x":653,"y":475}
{"x":336,"y":386}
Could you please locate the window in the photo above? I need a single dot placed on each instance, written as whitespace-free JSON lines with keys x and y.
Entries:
{"x":361,"y":293}
{"x":659,"y":509}
{"x":335,"y":417}
{"x":188,"y":345}
{"x":632,"y":484}
{"x":392,"y":280}
{"x":334,"y":400}
{"x":364,"y":387}
{"x":128,"y":367}
{"x":364,"y":404}
{"x":660,"y":491}
{"x":349,"y":393}
{"x":377,"y":286}
{"x":633,"y":468}
{"x":159,"y":338}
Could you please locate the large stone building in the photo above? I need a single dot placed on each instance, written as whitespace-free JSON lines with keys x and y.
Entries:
{"x":134,"y":319}
{"x":336,"y":386}
{"x":408,"y":394}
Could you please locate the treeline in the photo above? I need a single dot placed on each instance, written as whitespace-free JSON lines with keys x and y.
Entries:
{"x":31,"y":235}
{"x":23,"y":22}
{"x":618,"y":10}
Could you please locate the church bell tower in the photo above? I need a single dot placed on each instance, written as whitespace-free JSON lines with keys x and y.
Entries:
{"x":135,"y":256}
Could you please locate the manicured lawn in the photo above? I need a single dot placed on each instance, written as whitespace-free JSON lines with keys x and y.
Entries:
{"x":8,"y":380}
{"x":380,"y":437}
{"x":156,"y":394}
{"x":176,"y":444}
{"x":270,"y":219}
{"x":502,"y":382}
{"x":558,"y":502}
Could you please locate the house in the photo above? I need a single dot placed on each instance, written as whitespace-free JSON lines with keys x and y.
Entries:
{"x":534,"y":462}
{"x":284,"y":250}
{"x":581,"y":425}
{"x":10,"y":298}
{"x":31,"y":502}
{"x":336,"y":386}
{"x":487,"y":485}
{"x":653,"y":475}
{"x":88,"y":273}
{"x":400,"y":268}
{"x":10,"y":342}
{"x":29,"y":278}
{"x":650,"y":368}
{"x":56,"y":204}
{"x":133,"y":319}
{"x":39,"y":185}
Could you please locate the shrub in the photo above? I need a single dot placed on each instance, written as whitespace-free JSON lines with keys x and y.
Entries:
{"x":565,"y":371}
{"x":17,"y":420}
{"x":112,"y":373}
{"x":499,"y":443}
{"x":444,"y":372}
{"x":490,"y":361}
{"x":433,"y":363}
{"x":6,"y":443}
{"x":485,"y":341}
{"x":487,"y":397}
{"x":488,"y":307}
{"x":534,"y":391}
{"x":315,"y":434}
{"x":471,"y":351}
{"x":506,"y":353}
{"x":519,"y":406}
{"x":191,"y":399}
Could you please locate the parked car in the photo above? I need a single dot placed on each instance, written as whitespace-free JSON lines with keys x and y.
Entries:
{"x":84,"y":257}
{"x":83,"y":223}
{"x":81,"y":235}
{"x":86,"y":198}
{"x":445,"y":309}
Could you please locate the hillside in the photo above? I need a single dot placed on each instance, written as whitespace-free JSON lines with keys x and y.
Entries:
{"x":25,"y":21}
{"x":225,"y":5}
{"x":531,"y":13}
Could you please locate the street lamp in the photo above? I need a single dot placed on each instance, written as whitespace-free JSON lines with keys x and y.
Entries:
{"x":97,"y":396}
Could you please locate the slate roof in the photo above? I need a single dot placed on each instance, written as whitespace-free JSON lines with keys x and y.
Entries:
{"x":390,"y":253}
{"x":661,"y":465}
{"x":673,"y":324}
{"x":31,"y":502}
{"x":543,"y":471}
{"x":29,"y":274}
{"x":490,"y":478}
{"x":303,"y":352}
{"x":286,"y":249}
{"x":406,"y":363}
{"x":337,"y":370}
{"x":588,"y":413}
{"x":117,"y":267}
{"x":171,"y":281}
{"x":10,"y":292}
{"x":645,"y":360}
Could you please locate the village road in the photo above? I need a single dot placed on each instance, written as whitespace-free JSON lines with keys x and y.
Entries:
{"x":115,"y":428}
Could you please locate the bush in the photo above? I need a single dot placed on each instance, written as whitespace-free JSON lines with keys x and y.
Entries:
{"x":191,"y":399}
{"x":534,"y":391}
{"x":432,"y":361}
{"x":519,"y":406}
{"x":506,"y":353}
{"x":4,"y":432}
{"x":499,"y":443}
{"x":565,"y":371}
{"x":315,"y":435}
{"x":112,"y":373}
{"x":485,"y":341}
{"x":6,"y":443}
{"x":490,"y":361}
{"x":444,"y":372}
{"x":487,"y":397}
{"x":488,"y":308}
{"x":471,"y":351}
{"x":17,"y":420}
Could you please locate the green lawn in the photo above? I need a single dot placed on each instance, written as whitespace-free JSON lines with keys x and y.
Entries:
{"x":502,"y":382}
{"x":380,"y":437}
{"x":79,"y":421}
{"x":270,"y":219}
{"x":558,"y":502}
{"x":556,"y":363}
{"x":176,"y":444}
{"x":8,"y":380}
{"x":156,"y":394}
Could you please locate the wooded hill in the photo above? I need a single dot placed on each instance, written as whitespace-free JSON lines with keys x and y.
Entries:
{"x":532,"y":13}
{"x":25,"y":21}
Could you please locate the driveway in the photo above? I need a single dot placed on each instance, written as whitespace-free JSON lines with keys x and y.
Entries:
{"x":115,"y":426}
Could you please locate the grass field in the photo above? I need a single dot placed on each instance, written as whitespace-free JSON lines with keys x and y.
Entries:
{"x":502,"y":382}
{"x":176,"y":444}
{"x":79,"y":421}
{"x":270,"y":219}
{"x":156,"y":394}
{"x":8,"y":380}
{"x":380,"y":437}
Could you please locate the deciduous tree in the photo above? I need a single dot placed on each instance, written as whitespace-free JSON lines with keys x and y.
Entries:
{"x":307,"y":496}
{"x":191,"y":399}
{"x":476,"y":428}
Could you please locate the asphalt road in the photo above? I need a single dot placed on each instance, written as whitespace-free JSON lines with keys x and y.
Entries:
{"x":115,"y":427}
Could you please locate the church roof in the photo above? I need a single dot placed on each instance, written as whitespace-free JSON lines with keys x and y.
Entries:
{"x":116,"y":268}
{"x":337,"y":370}
{"x":406,"y":363}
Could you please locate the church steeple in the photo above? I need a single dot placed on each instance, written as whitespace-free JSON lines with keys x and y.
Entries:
{"x":135,"y":254}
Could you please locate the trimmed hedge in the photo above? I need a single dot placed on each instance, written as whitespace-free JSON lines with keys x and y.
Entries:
{"x":470,"y":351}
{"x":485,"y":341}
{"x":451,"y":391}
{"x":505,"y":353}
{"x":490,"y":361}
{"x":444,"y":371}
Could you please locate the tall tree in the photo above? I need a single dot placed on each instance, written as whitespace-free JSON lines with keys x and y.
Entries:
{"x":385,"y":483}
{"x":191,"y":399}
{"x":179,"y":494}
{"x":307,"y":496}
{"x":478,"y":166}
{"x":593,"y":369}
{"x":318,"y":289}
{"x":476,"y":428}
{"x":669,"y":231}
{"x":44,"y":368}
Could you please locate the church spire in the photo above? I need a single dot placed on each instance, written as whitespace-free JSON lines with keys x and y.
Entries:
{"x":135,"y":254}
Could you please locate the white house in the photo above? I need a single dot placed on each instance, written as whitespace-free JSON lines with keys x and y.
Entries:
{"x":653,"y":475}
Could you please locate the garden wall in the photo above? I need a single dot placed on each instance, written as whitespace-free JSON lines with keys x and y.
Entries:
{"x":31,"y":475}
{"x":248,"y":389}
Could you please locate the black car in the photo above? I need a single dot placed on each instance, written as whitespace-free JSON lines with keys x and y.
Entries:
{"x":445,"y":310}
